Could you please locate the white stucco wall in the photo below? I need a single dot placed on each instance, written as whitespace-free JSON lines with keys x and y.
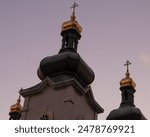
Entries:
{"x":62,"y":104}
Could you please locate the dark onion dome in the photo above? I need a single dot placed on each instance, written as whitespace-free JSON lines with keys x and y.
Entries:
{"x":66,"y":64}
{"x":126,"y":113}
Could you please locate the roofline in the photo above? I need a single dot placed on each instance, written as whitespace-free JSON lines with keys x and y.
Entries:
{"x":82,"y":90}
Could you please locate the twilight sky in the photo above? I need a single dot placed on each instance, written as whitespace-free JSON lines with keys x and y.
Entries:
{"x":113,"y":31}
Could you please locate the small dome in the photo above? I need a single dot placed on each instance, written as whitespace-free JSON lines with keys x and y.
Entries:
{"x":16,"y":107}
{"x":72,"y":24}
{"x":127,"y":81}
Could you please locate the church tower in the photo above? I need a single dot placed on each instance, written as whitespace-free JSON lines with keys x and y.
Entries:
{"x":64,"y":92}
{"x":127,"y":109}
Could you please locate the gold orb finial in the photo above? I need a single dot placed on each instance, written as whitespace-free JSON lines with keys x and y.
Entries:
{"x":17,"y":106}
{"x":72,"y":23}
{"x":127,"y":81}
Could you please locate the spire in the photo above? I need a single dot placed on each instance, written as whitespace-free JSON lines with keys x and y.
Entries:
{"x":127,"y":87}
{"x":70,"y":32}
{"x":127,"y":109}
{"x":68,"y":63}
{"x":15,"y":110}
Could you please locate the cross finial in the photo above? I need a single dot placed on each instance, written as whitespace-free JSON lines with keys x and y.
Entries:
{"x":127,"y":64}
{"x":74,"y":6}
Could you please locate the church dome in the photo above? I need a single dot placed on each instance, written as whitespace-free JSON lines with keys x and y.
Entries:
{"x":65,"y":66}
{"x":72,"y":24}
{"x":127,"y":109}
{"x":126,"y":113}
{"x":127,"y":81}
{"x":16,"y":107}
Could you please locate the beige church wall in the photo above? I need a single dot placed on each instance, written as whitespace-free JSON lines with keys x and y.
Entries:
{"x":82,"y":107}
{"x":61,"y":103}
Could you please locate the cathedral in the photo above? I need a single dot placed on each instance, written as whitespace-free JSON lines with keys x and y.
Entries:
{"x":65,"y":92}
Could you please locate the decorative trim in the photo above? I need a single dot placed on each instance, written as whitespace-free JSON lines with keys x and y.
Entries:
{"x":69,"y":100}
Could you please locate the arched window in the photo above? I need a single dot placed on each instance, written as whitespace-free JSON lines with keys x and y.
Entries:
{"x":44,"y":117}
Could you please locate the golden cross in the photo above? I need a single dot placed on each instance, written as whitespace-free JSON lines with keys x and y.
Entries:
{"x":127,"y":64}
{"x":74,"y":6}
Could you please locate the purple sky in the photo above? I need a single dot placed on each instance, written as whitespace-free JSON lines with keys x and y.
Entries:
{"x":113,"y":31}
